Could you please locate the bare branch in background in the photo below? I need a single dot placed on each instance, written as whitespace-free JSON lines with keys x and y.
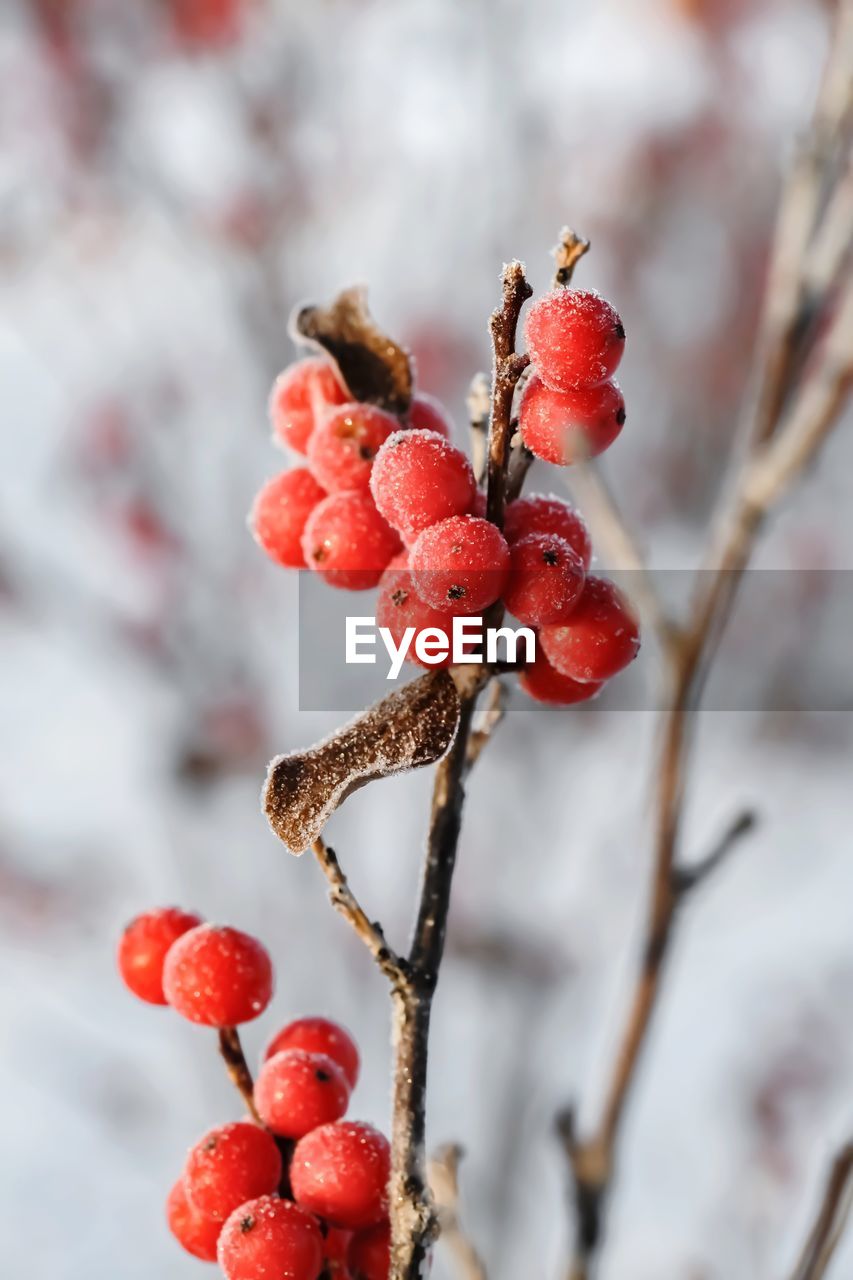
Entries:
{"x":444,"y":1184}
{"x":832,"y":1218}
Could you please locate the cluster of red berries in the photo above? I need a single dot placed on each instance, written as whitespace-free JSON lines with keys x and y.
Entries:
{"x":394,"y":503}
{"x":300,"y":1192}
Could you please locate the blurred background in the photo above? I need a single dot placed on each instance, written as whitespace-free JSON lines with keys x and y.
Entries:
{"x":174,"y":176}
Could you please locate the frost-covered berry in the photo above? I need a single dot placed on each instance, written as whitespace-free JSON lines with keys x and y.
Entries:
{"x":575,"y":338}
{"x":545,"y":581}
{"x":196,"y":1233}
{"x":300,"y":397}
{"x":370,"y":1253}
{"x":568,"y":426}
{"x":541,"y":513}
{"x":143,"y":947}
{"x":399,"y":607}
{"x":344,"y":444}
{"x":271,"y":1238}
{"x":296,"y":1091}
{"x":340,"y":1172}
{"x":418,"y":478}
{"x":319,"y":1035}
{"x":278,"y":515}
{"x":218,"y":976}
{"x":428,"y":414}
{"x":461,"y":563}
{"x":230,"y":1165}
{"x":347,"y":541}
{"x":543,"y":683}
{"x":599,"y":640}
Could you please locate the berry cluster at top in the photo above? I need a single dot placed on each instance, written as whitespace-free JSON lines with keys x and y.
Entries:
{"x":294,"y":1190}
{"x":390,"y":502}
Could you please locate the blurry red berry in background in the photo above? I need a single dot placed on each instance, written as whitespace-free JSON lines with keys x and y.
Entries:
{"x":143,"y":947}
{"x":575,"y":338}
{"x":600,"y":638}
{"x":319,"y":1035}
{"x":340,"y":1172}
{"x":231,"y":1164}
{"x":271,"y":1238}
{"x":568,"y":426}
{"x":348,"y":542}
{"x":196,"y":1233}
{"x":428,"y":414}
{"x":300,"y":397}
{"x":217,"y":976}
{"x":279,"y":514}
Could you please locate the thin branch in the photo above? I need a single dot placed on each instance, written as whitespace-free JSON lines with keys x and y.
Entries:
{"x":478,"y":403}
{"x":688,"y":878}
{"x":444,"y":1184}
{"x":832,"y":1218}
{"x":491,"y":716}
{"x":508,"y":368}
{"x":344,"y":900}
{"x":231,"y":1050}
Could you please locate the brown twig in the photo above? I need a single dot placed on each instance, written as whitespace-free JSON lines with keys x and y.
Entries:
{"x":344,"y":900}
{"x":508,"y":368}
{"x":492,"y":715}
{"x":231,"y":1049}
{"x":799,"y":404}
{"x":567,"y":254}
{"x":832,"y":1217}
{"x":444,"y":1183}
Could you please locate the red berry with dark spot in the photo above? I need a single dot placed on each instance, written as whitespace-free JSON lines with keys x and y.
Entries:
{"x":546,"y":579}
{"x":271,"y":1238}
{"x":575,"y":338}
{"x":218,"y":976}
{"x":344,"y":444}
{"x":599,"y":640}
{"x":370,"y":1253}
{"x":399,"y":607}
{"x":278,"y":516}
{"x":230,"y":1165}
{"x":428,"y":414}
{"x":461,"y":563}
{"x":340,"y":1172}
{"x":418,"y":478}
{"x":541,"y":513}
{"x":569,"y":426}
{"x":296,"y":1091}
{"x":544,"y":683}
{"x":143,"y":947}
{"x":299,"y":399}
{"x":348,"y":542}
{"x":320,"y":1035}
{"x":196,"y":1233}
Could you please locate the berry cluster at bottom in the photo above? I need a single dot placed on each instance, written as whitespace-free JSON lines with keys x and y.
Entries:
{"x":295,"y":1190}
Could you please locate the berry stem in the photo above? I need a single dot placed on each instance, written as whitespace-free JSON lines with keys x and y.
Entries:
{"x":231,"y":1050}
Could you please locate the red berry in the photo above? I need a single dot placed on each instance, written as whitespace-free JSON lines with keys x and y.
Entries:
{"x":370,"y":1253}
{"x":319,"y":1035}
{"x":143,"y":946}
{"x":197,"y":1234}
{"x":340,"y":1172}
{"x":296,"y":1091}
{"x":545,"y":580}
{"x":428,"y":414}
{"x":278,"y":516}
{"x":575,"y":338}
{"x":600,"y":638}
{"x":539,"y":513}
{"x":271,"y":1238}
{"x":419,"y":479}
{"x":230,"y":1165}
{"x":298,"y":399}
{"x":461,"y":563}
{"x":343,"y":446}
{"x":398,"y":607}
{"x":218,"y":976}
{"x":335,"y":1253}
{"x":545,"y":684}
{"x":347,"y":541}
{"x":568,"y":426}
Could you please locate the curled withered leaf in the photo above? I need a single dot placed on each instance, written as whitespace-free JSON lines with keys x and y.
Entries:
{"x":413,"y":726}
{"x":376,"y":369}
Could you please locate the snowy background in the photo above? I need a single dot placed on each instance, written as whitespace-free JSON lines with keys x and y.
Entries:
{"x":174,"y":176}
